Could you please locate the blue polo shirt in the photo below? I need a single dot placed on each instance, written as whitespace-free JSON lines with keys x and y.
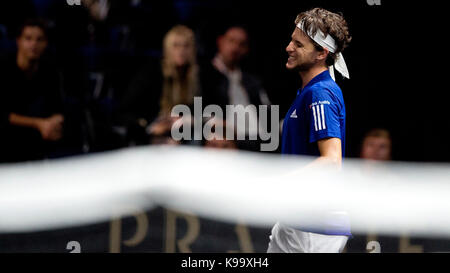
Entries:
{"x":318,"y":112}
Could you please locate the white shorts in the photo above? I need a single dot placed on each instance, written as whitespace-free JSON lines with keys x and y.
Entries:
{"x":288,"y":240}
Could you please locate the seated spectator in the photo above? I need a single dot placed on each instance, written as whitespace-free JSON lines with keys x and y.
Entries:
{"x":377,"y":145}
{"x":229,"y":84}
{"x":31,"y":106}
{"x":161,"y":85}
{"x":160,"y":132}
{"x":217,"y":138}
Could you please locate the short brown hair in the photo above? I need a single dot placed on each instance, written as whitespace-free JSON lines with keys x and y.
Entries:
{"x":33,"y":22}
{"x":378,"y":132}
{"x":329,"y":23}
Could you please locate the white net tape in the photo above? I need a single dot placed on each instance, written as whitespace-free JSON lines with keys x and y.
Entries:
{"x":255,"y":189}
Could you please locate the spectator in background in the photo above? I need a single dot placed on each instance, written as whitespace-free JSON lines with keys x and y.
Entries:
{"x":180,"y":70}
{"x":377,"y":145}
{"x":229,"y":84}
{"x":161,"y":132}
{"x":161,"y":85}
{"x":30,"y":100}
{"x":216,"y":139}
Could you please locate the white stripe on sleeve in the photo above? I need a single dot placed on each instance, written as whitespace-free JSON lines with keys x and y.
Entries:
{"x":319,"y":121}
{"x":315,"y":119}
{"x":323,"y":117}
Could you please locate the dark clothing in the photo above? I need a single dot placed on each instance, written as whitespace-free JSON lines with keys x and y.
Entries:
{"x":34,"y":95}
{"x":215,"y":87}
{"x":215,"y":91}
{"x":144,"y":93}
{"x":141,"y":101}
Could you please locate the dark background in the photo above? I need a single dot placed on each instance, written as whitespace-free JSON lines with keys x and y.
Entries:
{"x":396,"y":58}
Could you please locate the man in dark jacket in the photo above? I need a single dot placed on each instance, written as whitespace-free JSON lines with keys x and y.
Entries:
{"x":229,"y":84}
{"x":30,"y":112}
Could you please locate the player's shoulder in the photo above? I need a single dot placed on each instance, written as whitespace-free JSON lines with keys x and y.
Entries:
{"x":325,"y":90}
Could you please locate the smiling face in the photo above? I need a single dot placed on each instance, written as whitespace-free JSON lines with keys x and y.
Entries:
{"x":302,"y":52}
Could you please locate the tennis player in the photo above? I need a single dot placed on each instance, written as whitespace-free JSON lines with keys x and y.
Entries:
{"x":315,"y":123}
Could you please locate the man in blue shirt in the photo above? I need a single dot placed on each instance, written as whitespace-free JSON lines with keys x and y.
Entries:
{"x":317,"y":113}
{"x":315,"y":123}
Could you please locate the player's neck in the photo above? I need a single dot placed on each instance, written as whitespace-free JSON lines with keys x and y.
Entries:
{"x":310,"y":74}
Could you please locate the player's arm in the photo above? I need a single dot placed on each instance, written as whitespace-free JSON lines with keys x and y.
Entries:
{"x":330,"y":156}
{"x":330,"y":153}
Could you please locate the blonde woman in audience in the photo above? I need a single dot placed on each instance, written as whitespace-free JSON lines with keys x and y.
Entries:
{"x":161,"y":85}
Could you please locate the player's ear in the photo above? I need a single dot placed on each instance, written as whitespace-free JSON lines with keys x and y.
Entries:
{"x":323,"y":54}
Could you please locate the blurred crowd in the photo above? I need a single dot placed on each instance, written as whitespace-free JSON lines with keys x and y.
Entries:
{"x":94,"y":75}
{"x":84,"y":76}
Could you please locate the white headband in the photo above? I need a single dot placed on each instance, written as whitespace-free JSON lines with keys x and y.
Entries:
{"x":329,"y":43}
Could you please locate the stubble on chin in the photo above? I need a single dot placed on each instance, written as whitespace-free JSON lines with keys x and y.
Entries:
{"x":298,"y":68}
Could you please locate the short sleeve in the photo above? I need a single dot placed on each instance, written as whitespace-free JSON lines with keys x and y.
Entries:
{"x":324,"y":116}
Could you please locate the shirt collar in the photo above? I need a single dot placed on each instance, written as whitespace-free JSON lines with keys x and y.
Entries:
{"x":325,"y":75}
{"x":221,"y":67}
